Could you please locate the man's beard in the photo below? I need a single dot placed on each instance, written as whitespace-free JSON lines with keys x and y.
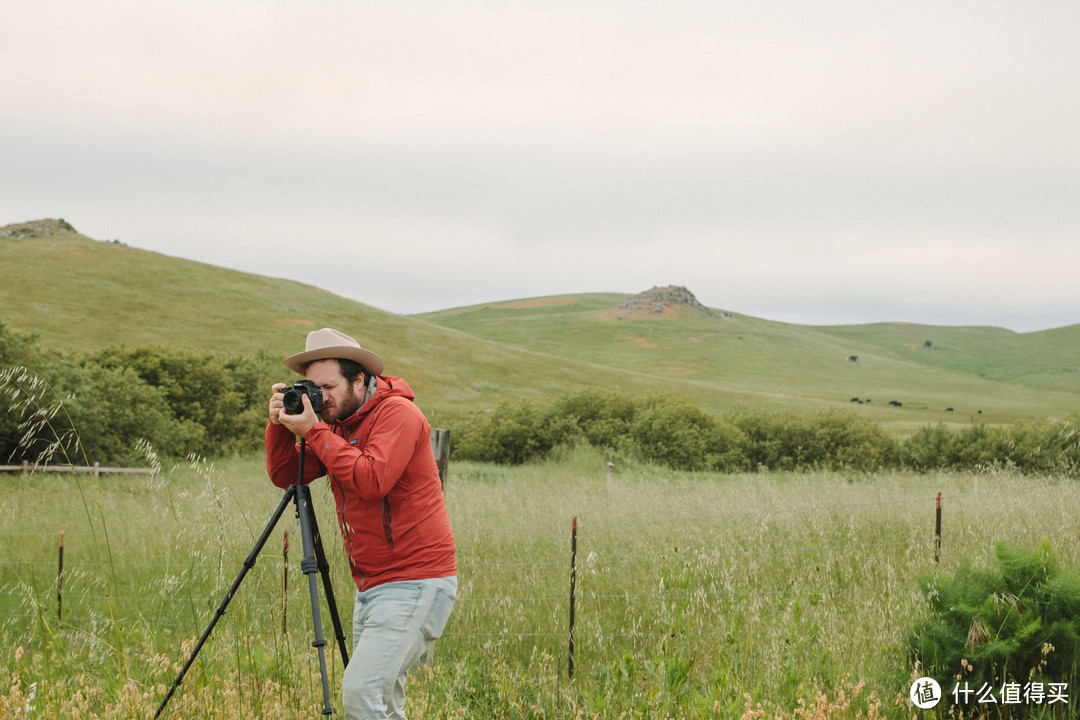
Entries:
{"x":343,"y":411}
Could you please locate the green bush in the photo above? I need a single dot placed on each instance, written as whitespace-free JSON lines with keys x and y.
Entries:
{"x":830,"y":440}
{"x":601,"y":417}
{"x":16,"y":350}
{"x":670,"y":430}
{"x":213,"y":397}
{"x":844,"y":441}
{"x":1017,"y":622}
{"x":931,"y":447}
{"x":111,"y":409}
{"x":1047,"y":446}
{"x":515,"y":432}
{"x":179,"y":402}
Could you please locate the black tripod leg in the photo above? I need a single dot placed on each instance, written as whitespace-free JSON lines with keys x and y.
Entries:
{"x":248,"y":564}
{"x":328,"y":591}
{"x":310,"y":567}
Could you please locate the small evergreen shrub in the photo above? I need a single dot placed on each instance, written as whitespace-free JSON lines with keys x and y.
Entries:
{"x":1017,"y":622}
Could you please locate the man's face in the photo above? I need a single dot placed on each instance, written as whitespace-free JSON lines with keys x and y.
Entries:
{"x":340,"y":399}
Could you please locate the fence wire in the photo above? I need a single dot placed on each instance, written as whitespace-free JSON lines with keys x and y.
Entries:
{"x":23,"y":594}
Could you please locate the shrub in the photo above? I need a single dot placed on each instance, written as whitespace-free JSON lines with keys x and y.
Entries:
{"x":514,"y":433}
{"x":842,"y":441}
{"x":929,"y":448}
{"x":670,"y":430}
{"x":112,"y":408}
{"x":830,"y":440}
{"x":603,"y":418}
{"x":200,"y":390}
{"x":1017,"y":622}
{"x":180,"y":402}
{"x":16,"y":350}
{"x":1046,"y":446}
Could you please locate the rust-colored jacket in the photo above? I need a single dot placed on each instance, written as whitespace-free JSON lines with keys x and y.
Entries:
{"x":383,"y":475}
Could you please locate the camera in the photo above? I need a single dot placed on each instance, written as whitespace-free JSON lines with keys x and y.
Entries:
{"x":293,"y":398}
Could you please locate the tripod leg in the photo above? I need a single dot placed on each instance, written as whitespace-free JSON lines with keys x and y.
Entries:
{"x":310,"y":568}
{"x":328,"y":591}
{"x":249,"y":563}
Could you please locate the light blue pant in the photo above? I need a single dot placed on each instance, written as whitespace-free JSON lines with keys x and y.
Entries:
{"x":393,"y":626}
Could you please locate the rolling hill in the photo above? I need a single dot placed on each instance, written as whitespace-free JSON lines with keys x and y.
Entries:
{"x":984,"y":374}
{"x":83,"y":294}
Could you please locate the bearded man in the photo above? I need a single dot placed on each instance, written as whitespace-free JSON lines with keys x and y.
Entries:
{"x":373,"y":444}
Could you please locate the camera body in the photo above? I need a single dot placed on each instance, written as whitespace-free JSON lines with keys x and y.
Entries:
{"x":293,"y":398}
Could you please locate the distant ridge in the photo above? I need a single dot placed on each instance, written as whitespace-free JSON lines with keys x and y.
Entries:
{"x":81,"y":294}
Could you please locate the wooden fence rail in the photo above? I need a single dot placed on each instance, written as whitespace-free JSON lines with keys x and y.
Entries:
{"x":96,"y":469}
{"x":440,"y":445}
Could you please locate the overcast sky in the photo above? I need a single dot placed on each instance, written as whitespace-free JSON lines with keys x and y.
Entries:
{"x":811,"y":162}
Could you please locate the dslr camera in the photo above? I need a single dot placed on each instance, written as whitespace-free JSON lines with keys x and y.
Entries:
{"x":293,"y":398}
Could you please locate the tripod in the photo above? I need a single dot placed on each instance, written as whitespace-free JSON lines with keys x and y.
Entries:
{"x":314,"y":562}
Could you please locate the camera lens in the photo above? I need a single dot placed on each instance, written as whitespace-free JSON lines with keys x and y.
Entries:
{"x":293,"y":400}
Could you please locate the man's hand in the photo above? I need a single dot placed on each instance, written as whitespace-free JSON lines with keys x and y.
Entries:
{"x":277,"y":405}
{"x":299,"y":424}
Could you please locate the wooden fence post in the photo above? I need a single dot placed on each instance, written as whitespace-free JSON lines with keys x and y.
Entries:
{"x":285,"y":585}
{"x":573,"y":596}
{"x":440,"y":445}
{"x":937,"y":532}
{"x":60,"y":583}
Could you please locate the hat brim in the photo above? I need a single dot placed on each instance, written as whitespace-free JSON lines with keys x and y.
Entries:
{"x":371,"y":362}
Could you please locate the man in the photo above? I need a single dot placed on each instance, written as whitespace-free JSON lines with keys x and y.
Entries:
{"x":374,"y":445}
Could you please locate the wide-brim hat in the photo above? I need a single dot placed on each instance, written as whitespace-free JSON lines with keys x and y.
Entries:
{"x":326,"y":344}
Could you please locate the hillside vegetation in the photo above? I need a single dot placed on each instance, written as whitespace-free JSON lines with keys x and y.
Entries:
{"x":723,"y":359}
{"x":84,"y":295}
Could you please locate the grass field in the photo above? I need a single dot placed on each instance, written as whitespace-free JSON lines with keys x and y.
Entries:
{"x":696,"y":594}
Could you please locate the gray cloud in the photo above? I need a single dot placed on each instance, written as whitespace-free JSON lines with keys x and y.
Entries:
{"x":856,"y":162}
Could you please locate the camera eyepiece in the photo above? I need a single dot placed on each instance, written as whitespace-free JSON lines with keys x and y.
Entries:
{"x":293,"y":398}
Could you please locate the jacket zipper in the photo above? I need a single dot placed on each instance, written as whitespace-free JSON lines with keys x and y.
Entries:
{"x":388,"y":528}
{"x":344,"y":526}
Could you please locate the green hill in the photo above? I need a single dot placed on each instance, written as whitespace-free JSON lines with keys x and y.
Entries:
{"x":84,"y":294}
{"x":722,"y":358}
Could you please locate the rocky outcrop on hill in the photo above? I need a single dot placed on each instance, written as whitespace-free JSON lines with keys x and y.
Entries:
{"x":38,"y":228}
{"x":659,"y":300}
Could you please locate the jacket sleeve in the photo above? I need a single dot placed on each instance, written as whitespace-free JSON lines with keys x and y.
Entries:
{"x":283,"y":457}
{"x":373,"y":470}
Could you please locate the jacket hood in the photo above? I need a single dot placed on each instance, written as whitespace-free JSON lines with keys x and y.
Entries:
{"x":387,"y":386}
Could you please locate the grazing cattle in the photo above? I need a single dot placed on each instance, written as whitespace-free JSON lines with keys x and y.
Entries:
{"x":896,"y":403}
{"x":855,"y":400}
{"x":948,"y":409}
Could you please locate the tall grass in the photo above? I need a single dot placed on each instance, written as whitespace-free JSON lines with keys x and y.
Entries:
{"x":698,"y":595}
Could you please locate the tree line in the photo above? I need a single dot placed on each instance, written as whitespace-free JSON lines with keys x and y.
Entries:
{"x":109,"y":405}
{"x":670,"y":430}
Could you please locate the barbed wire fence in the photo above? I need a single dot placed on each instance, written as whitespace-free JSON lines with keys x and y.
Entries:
{"x":78,"y":583}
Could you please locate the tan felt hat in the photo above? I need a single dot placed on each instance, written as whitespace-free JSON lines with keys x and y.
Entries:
{"x":326,"y":343}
